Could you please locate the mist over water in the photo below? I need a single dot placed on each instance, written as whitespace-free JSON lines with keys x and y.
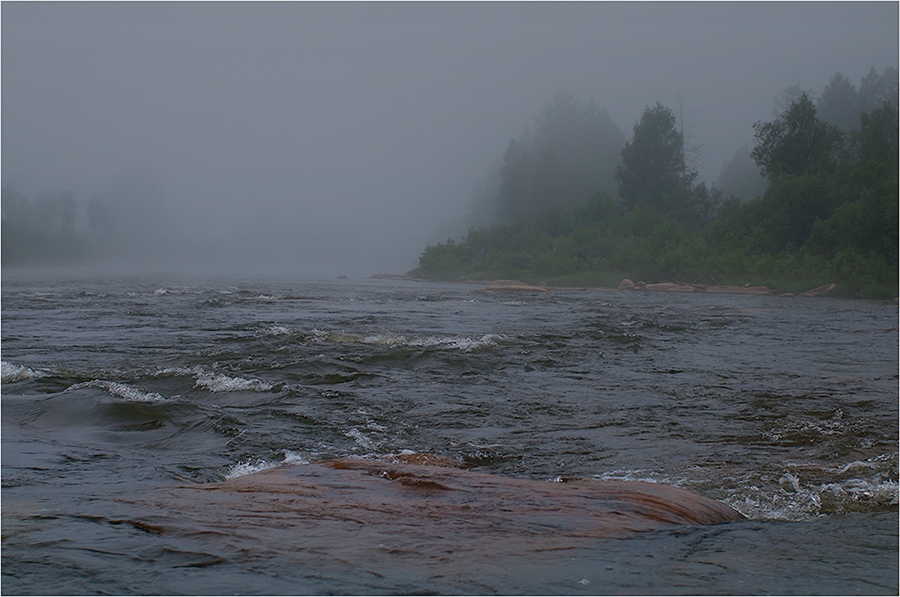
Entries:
{"x":343,"y":138}
{"x":189,"y":180}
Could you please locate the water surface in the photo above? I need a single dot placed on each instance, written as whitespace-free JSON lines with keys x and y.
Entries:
{"x":785,"y":409}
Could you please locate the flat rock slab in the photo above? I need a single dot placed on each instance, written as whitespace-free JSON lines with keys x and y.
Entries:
{"x":360,"y":510}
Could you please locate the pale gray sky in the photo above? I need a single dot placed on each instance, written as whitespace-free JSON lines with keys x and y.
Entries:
{"x":337,"y":138}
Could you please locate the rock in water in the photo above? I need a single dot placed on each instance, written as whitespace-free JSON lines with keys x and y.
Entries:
{"x":363,"y":510}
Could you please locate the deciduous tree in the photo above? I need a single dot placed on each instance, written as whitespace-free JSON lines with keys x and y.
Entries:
{"x":794,"y":142}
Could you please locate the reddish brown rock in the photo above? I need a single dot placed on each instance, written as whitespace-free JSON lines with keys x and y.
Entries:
{"x":353,"y":510}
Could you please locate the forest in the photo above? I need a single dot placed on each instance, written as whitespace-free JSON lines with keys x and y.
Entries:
{"x":61,"y":228}
{"x":813,"y":202}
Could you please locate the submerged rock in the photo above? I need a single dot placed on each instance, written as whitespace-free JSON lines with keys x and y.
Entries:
{"x":420,"y":506}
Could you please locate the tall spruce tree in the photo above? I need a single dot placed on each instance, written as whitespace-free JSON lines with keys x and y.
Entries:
{"x":653,"y":173}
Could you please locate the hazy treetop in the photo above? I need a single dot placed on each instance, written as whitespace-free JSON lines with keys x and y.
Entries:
{"x":336,"y":137}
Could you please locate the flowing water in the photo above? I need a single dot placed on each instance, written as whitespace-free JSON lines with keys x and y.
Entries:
{"x":784,"y":408}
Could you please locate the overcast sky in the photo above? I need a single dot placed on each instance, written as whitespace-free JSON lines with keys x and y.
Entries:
{"x":337,"y":138}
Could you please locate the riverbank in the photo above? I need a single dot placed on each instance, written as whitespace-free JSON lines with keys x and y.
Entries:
{"x":509,"y":285}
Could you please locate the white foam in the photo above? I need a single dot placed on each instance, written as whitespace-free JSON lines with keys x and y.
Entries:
{"x":875,"y":463}
{"x":218,"y":382}
{"x":469,"y":344}
{"x":794,"y":500}
{"x":361,"y":439}
{"x":856,"y":494}
{"x":175,"y":371}
{"x":121,"y":390}
{"x":10,"y":373}
{"x":465,"y":344}
{"x":245,"y":468}
{"x":644,"y":475}
{"x":294,"y":458}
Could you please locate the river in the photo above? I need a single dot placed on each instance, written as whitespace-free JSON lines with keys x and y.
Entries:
{"x":784,"y":408}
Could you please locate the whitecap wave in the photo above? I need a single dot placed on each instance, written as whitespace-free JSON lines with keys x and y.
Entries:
{"x":121,"y":390}
{"x":246,"y":468}
{"x":294,"y":458}
{"x":795,"y":499}
{"x":470,"y":344}
{"x":218,"y":382}
{"x":175,"y":371}
{"x":465,"y":344}
{"x":10,"y":373}
{"x":250,"y":466}
{"x":643,"y":475}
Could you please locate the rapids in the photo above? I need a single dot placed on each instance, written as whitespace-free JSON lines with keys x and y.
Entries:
{"x":119,"y":393}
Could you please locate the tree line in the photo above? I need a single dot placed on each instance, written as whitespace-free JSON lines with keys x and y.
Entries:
{"x":814,"y":201}
{"x":60,"y":228}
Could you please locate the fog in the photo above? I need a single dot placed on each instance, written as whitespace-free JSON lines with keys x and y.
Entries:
{"x":330,"y":138}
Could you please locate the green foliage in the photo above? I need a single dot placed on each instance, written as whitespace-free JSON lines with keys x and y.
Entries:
{"x":877,"y":89}
{"x":829,"y":214}
{"x":839,"y":104}
{"x":796,"y":142}
{"x":653,"y":173}
{"x":877,"y":138}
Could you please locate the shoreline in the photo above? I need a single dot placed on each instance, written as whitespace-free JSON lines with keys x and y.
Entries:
{"x":506,"y":285}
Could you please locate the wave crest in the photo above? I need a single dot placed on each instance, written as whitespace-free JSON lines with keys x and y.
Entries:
{"x":10,"y":373}
{"x":860,"y":486}
{"x":121,"y":390}
{"x":218,"y":382}
{"x":245,"y":468}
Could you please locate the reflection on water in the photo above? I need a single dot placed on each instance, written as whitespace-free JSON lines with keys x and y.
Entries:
{"x":783,"y":408}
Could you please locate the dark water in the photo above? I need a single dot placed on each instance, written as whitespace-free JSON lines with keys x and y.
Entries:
{"x":784,"y":408}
